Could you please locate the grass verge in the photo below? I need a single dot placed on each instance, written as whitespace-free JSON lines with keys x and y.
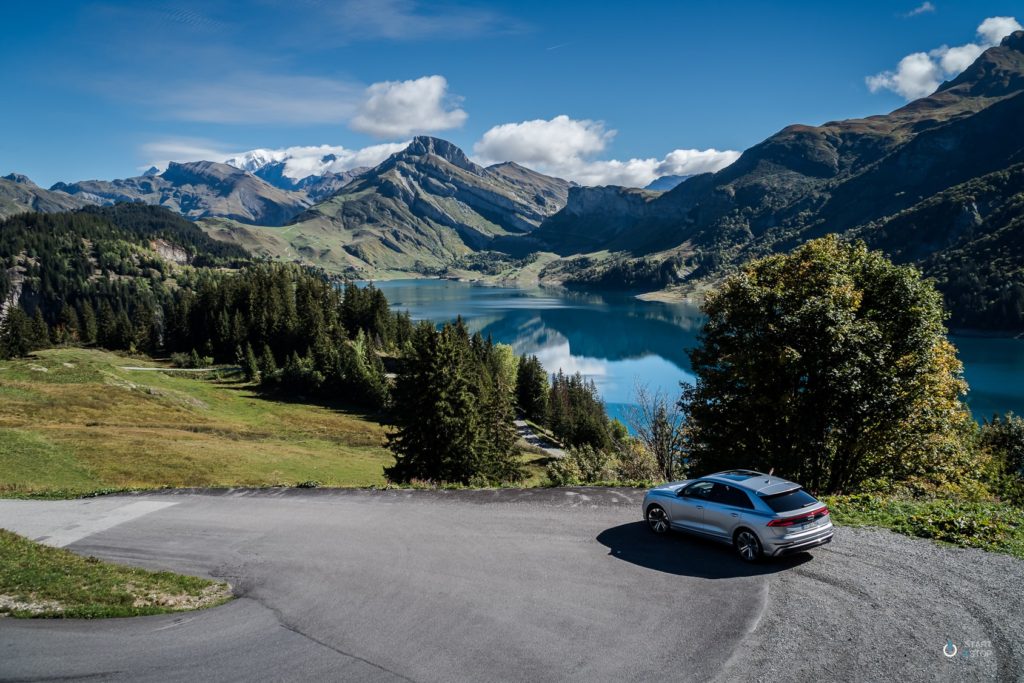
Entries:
{"x":991,"y":526}
{"x":40,"y":581}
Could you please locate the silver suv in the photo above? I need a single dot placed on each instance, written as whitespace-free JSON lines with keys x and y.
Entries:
{"x":758,"y":514}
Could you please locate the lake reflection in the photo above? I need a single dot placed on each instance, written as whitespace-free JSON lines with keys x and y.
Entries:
{"x":619,"y":341}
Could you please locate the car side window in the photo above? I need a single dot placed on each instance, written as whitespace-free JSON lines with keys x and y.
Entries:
{"x":730,"y":495}
{"x":702,"y":490}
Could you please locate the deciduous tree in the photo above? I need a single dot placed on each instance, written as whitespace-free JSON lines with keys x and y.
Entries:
{"x":831,"y":366}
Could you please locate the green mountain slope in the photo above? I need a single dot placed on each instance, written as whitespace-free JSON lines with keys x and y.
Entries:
{"x":851,"y":177}
{"x":418,"y":210}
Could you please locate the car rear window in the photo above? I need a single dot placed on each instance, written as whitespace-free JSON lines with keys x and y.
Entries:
{"x":790,"y":500}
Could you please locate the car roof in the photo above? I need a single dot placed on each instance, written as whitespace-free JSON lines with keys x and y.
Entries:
{"x":758,"y":482}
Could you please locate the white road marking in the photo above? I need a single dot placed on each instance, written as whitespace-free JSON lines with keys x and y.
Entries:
{"x":61,"y":523}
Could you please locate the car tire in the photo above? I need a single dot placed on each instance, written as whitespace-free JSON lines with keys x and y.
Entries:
{"x":657,"y":520}
{"x":747,"y":545}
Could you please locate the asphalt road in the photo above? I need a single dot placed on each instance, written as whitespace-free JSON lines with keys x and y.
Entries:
{"x":539,"y":585}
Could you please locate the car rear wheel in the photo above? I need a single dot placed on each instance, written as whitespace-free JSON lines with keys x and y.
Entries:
{"x":657,"y":519}
{"x":747,"y":545}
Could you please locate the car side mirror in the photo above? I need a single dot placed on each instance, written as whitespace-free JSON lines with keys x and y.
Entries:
{"x":681,"y":492}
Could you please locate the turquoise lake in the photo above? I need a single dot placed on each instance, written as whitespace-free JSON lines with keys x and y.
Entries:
{"x":619,"y":341}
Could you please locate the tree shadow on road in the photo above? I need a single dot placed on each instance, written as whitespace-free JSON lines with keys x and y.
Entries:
{"x":676,"y":553}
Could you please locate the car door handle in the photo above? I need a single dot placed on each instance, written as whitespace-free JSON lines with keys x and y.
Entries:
{"x":700,"y":507}
{"x":735,"y":514}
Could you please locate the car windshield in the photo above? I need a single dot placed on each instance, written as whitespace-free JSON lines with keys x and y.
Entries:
{"x":790,"y":500}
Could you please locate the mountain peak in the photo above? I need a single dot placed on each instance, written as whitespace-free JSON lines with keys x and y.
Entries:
{"x":423,"y":145}
{"x":20,"y":179}
{"x":198,"y":172}
{"x":1015,"y":41}
{"x":998,"y":72}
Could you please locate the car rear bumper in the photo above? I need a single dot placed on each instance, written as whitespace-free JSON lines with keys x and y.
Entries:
{"x":786,"y":548}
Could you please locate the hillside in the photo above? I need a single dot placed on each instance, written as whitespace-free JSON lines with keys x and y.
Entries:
{"x":18,"y":194}
{"x":75,"y":421}
{"x":850,"y":177}
{"x":419,"y":210}
{"x":197,"y":190}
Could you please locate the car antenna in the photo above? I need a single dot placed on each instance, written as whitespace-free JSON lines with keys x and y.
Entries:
{"x":771,"y":471}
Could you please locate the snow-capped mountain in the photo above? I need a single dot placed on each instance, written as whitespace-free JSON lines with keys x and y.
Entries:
{"x":318,"y":170}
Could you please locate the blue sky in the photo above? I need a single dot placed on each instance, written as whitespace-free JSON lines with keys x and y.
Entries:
{"x":100,"y":89}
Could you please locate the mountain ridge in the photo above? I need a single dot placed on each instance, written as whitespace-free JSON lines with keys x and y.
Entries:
{"x":846,"y":177}
{"x":417,"y":211}
{"x":197,"y":189}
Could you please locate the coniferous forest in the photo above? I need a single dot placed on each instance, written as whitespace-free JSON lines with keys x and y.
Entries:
{"x":95,"y":277}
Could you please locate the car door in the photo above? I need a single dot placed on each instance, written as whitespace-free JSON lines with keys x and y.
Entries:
{"x":719,"y":515}
{"x":688,"y":507}
{"x":723,"y":510}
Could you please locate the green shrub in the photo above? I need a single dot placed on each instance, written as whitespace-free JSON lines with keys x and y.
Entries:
{"x":190,"y":360}
{"x":564,"y":472}
{"x":634,"y":462}
{"x":968,"y":528}
{"x":1002,"y":441}
{"x":970,"y":524}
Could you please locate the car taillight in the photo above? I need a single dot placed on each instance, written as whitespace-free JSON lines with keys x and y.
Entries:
{"x":799,"y":519}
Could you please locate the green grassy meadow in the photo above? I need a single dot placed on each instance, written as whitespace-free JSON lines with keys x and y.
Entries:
{"x":73,"y":422}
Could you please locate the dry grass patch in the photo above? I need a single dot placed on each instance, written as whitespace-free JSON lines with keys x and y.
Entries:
{"x":40,"y":581}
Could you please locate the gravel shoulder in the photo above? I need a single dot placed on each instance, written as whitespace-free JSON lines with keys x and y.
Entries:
{"x":880,"y":606}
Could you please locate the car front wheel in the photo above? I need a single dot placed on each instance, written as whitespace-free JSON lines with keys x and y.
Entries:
{"x":657,"y":519}
{"x":748,"y":547}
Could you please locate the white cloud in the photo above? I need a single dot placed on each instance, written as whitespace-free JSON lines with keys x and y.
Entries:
{"x":300,"y":162}
{"x":953,"y":60}
{"x":923,"y":8}
{"x":402,"y":108}
{"x":994,"y":29}
{"x":544,"y":143}
{"x":919,"y":74}
{"x":565,"y":147}
{"x":409,"y":20}
{"x":257,"y":98}
{"x":161,"y":152}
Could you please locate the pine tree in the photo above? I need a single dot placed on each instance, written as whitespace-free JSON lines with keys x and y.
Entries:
{"x":267,"y":364}
{"x":67,"y":325}
{"x":498,"y":435}
{"x":435,"y":410}
{"x":89,"y":328}
{"x":107,"y":325}
{"x":39,"y":335}
{"x":532,"y":389}
{"x":124,"y":332}
{"x":15,"y":334}
{"x":577,"y":413}
{"x":250,"y":365}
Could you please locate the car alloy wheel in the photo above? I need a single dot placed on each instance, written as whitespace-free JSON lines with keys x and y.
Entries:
{"x":747,"y":545}
{"x":657,"y":519}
